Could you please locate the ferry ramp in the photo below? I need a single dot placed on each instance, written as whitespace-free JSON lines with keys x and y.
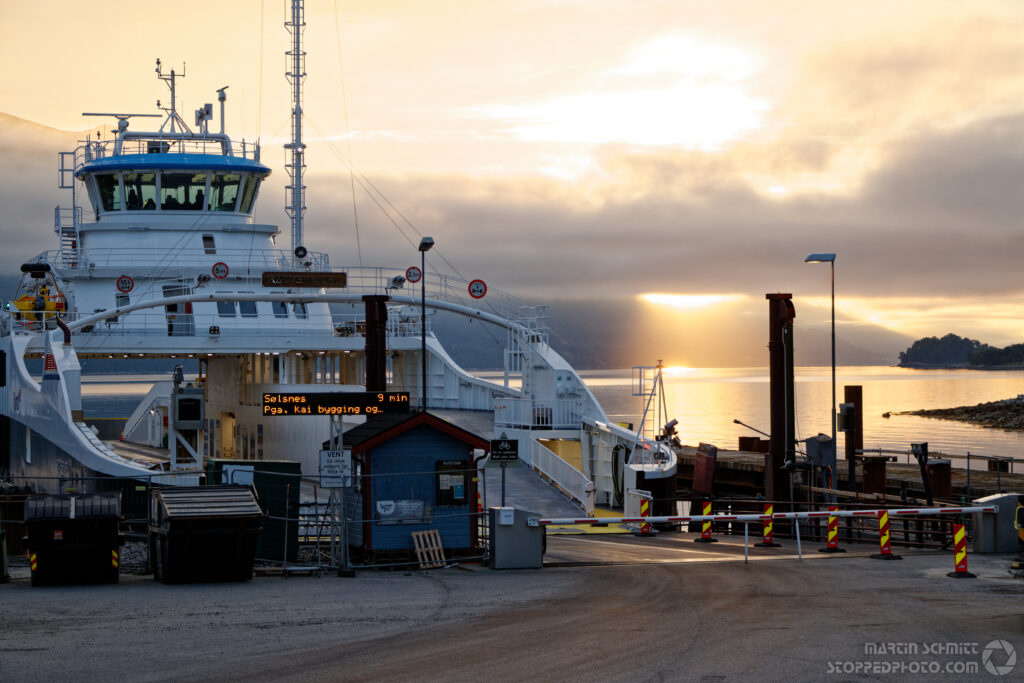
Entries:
{"x":524,"y":488}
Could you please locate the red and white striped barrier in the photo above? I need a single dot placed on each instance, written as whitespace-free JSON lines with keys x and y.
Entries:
{"x":761,"y":518}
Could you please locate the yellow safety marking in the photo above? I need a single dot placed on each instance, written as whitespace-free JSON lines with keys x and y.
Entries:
{"x":113,"y":558}
{"x":959,"y":536}
{"x":32,"y":561}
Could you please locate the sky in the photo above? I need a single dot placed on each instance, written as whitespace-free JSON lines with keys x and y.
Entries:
{"x":686,"y":155}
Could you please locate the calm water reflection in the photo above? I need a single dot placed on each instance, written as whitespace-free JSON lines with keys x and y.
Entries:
{"x":706,"y":400}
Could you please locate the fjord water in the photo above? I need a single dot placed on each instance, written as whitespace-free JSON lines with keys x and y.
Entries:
{"x":706,"y":400}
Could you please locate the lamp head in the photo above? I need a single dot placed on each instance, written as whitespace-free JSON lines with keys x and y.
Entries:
{"x":820,"y":258}
{"x":426,"y":244}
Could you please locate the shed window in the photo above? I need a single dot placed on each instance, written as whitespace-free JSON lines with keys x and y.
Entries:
{"x":247,"y":309}
{"x":224,"y":191}
{"x":208,"y":246}
{"x":110,"y":191}
{"x":140,"y":191}
{"x":450,"y":480}
{"x":300,"y":310}
{"x":226,"y":309}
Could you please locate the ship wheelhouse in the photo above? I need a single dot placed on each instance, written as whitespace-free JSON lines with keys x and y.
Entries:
{"x":133,"y":184}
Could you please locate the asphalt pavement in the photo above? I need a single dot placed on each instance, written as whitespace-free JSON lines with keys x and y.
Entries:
{"x":608,"y":608}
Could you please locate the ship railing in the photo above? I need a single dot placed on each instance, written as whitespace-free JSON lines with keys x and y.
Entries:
{"x":442,"y":287}
{"x":91,"y":150}
{"x":529,"y":413}
{"x":249,"y":265}
{"x":152,"y":262}
{"x":354,"y":324}
{"x":211,"y":324}
{"x":566,"y":477}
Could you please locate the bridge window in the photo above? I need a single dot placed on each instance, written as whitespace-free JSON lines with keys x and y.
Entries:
{"x":247,"y":309}
{"x":110,"y":191}
{"x":300,"y":309}
{"x":208,"y":246}
{"x":280,"y":309}
{"x":226,"y":309}
{"x":183,"y":191}
{"x":224,"y":191}
{"x":140,"y":191}
{"x":249,"y":193}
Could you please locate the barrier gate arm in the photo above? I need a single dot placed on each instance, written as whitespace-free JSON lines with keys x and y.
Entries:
{"x":537,"y":521}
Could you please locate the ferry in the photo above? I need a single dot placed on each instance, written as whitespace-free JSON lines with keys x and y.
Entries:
{"x":158,"y":256}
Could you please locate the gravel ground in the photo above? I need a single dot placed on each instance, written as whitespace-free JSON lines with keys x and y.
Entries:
{"x":644,"y":610}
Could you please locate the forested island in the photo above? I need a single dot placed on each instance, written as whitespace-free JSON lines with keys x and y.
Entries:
{"x":953,"y":351}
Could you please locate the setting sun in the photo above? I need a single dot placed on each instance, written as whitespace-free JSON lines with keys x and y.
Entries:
{"x":690,"y":301}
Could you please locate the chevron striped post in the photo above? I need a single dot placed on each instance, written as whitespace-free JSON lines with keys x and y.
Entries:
{"x":960,"y":554}
{"x":705,"y":530}
{"x":767,"y":534}
{"x":833,"y":534}
{"x":883,"y":538}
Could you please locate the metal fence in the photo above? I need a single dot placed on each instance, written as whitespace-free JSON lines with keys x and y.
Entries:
{"x":912,"y":532}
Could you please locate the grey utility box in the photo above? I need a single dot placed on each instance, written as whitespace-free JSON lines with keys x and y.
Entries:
{"x":995,"y":533}
{"x":514,"y":543}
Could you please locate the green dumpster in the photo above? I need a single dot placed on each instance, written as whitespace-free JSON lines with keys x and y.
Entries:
{"x":278,"y":486}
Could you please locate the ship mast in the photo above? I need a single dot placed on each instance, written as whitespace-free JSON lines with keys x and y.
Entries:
{"x":295,"y":191}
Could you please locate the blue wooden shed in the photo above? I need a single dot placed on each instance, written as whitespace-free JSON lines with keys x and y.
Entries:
{"x":414,"y":473}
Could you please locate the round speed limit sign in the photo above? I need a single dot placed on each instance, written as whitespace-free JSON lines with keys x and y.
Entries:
{"x":477,"y":289}
{"x":413,"y":274}
{"x":125,"y":284}
{"x":220,"y":270}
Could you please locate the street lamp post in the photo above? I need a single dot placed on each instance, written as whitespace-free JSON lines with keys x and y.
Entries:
{"x":425,"y":245}
{"x":831,"y":260}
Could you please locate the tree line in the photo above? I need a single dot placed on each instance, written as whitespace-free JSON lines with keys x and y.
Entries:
{"x":956,"y":351}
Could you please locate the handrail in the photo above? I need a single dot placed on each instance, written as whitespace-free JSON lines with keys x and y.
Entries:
{"x":569,"y":479}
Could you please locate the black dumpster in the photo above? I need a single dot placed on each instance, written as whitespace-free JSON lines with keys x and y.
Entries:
{"x":203,"y":533}
{"x":4,"y":576}
{"x":73,"y":537}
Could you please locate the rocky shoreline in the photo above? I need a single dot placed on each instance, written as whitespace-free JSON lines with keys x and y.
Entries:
{"x":1006,"y":414}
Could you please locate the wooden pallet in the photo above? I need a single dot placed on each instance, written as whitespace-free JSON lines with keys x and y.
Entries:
{"x":428,"y":548}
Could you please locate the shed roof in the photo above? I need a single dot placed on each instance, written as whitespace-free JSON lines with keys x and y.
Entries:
{"x":383,"y":428}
